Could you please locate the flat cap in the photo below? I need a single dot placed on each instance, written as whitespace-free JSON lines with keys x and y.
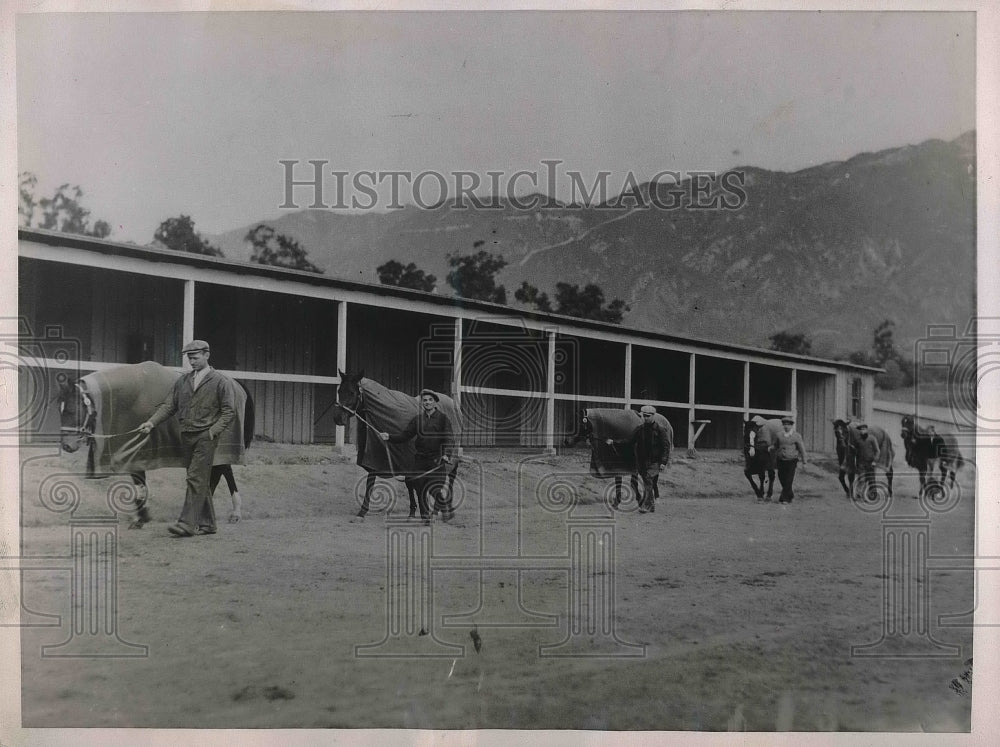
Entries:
{"x":788,"y":419}
{"x":195,"y":346}
{"x":430,"y":393}
{"x":648,"y":408}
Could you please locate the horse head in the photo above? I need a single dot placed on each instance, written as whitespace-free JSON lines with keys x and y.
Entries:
{"x":76,"y":416}
{"x":349,"y":397}
{"x":842,"y":437}
{"x":584,"y":430}
{"x":908,"y":427}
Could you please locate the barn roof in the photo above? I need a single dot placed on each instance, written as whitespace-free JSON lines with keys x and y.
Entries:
{"x":153,"y":254}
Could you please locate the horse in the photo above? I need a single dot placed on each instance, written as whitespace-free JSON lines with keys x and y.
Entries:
{"x":846,"y":435}
{"x":381,"y":409}
{"x":81,"y":421}
{"x":596,"y":425}
{"x":759,"y":459}
{"x":924,"y":446}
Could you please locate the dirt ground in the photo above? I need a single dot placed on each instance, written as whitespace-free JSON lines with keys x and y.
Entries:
{"x":714,"y":613}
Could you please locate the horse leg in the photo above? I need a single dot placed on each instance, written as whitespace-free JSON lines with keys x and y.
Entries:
{"x":142,"y":499}
{"x":366,"y":501}
{"x":411,"y":493}
{"x":618,"y":492}
{"x":770,"y":483}
{"x":843,"y":483}
{"x":888,"y":479}
{"x":759,"y":492}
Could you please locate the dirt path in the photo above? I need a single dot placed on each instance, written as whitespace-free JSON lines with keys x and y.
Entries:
{"x":743,"y":614}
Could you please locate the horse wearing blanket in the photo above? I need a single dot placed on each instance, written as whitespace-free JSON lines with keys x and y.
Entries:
{"x":615,"y":460}
{"x":105,"y":408}
{"x":380,"y":409}
{"x":759,"y":458}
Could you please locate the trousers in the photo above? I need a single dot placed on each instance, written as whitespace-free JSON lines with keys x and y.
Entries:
{"x":649,"y":475}
{"x":786,"y":475}
{"x":199,"y":451}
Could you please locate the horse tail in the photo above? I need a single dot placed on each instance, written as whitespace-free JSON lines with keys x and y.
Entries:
{"x":890,"y":452}
{"x":249,"y":417}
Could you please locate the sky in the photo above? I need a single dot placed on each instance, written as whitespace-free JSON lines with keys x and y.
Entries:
{"x":157,"y":115}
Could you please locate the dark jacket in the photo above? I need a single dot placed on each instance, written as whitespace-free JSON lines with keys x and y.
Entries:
{"x":866,"y":449}
{"x":650,"y":444}
{"x":211,"y":407}
{"x":433,"y":432}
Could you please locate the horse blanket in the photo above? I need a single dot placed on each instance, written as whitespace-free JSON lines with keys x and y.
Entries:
{"x":125,"y":397}
{"x":766,"y":437}
{"x":391,"y":411}
{"x":617,"y":459}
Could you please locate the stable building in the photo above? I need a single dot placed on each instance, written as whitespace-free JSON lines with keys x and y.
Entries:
{"x":521,"y":377}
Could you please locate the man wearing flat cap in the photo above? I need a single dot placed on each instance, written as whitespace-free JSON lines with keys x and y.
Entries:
{"x":651,"y":447}
{"x":789,"y":447}
{"x":434,"y":443}
{"x":866,"y":454}
{"x":203,"y":400}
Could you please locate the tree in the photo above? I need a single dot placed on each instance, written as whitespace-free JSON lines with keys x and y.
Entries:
{"x":393,"y":273}
{"x":474,"y":276}
{"x":26,"y":203}
{"x":61,"y":212}
{"x":588,"y":303}
{"x":273,"y":248}
{"x":571,"y":301}
{"x":529,"y":294}
{"x":883,"y":344}
{"x":787,"y":342}
{"x":179,"y":234}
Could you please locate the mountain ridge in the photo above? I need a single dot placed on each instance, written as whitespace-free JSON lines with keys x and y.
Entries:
{"x":828,"y":250}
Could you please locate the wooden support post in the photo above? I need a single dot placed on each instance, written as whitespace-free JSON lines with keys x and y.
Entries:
{"x":746,"y":390}
{"x":187,"y":322}
{"x":339,"y":436}
{"x":691,"y":413}
{"x":628,"y":375}
{"x":456,"y":371}
{"x":550,"y":405}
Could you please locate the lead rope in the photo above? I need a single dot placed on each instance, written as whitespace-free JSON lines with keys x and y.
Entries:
{"x":377,"y":432}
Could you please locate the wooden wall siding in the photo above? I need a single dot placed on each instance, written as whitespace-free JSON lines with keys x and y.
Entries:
{"x":282,"y":410}
{"x":589,"y":367}
{"x":815,"y":401}
{"x":104,"y":310}
{"x":659,"y":374}
{"x":491,"y":420}
{"x":323,"y":426}
{"x":718,"y":381}
{"x":724,"y":432}
{"x":60,"y":296}
{"x":147,"y":308}
{"x":770,"y":387}
{"x":394,"y":348}
{"x":266,"y":332}
{"x":501,"y":357}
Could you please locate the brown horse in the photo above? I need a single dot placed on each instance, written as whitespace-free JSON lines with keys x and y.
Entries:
{"x":380,"y":409}
{"x":596,"y":425}
{"x":759,"y":436}
{"x":925,"y":447}
{"x":127,"y":394}
{"x":846,"y":434}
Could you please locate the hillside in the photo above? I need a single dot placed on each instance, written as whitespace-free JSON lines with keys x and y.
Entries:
{"x":829,"y":250}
